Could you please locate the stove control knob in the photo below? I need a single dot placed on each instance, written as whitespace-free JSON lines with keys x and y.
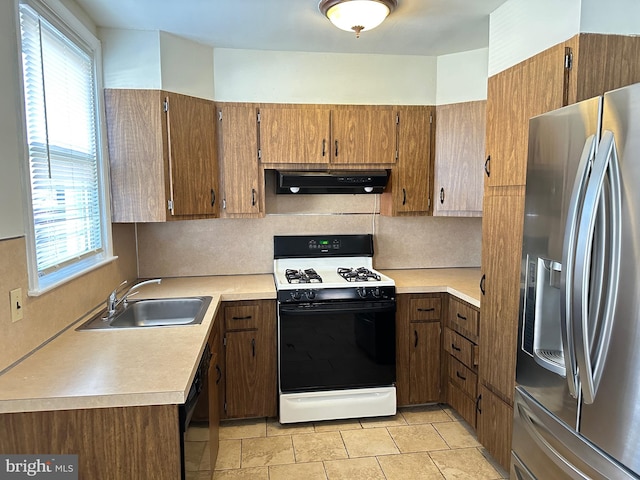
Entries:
{"x":375,"y":292}
{"x":296,"y":294}
{"x":362,"y":292}
{"x":311,"y":294}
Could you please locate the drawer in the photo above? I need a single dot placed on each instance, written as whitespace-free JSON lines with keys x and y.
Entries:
{"x":461,"y":348}
{"x":462,"y":377}
{"x":461,"y":403}
{"x":464,"y":319}
{"x":241,"y":317}
{"x":427,"y":308}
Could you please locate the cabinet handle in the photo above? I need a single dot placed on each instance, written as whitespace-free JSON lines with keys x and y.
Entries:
{"x":324,"y":147}
{"x":487,"y":166}
{"x":213,"y":197}
{"x":404,"y":197}
{"x":241,"y":318}
{"x":484,"y":277}
{"x":336,"y":148}
{"x":457,"y":349}
{"x":426,"y":309}
{"x":253,"y":197}
{"x":219,"y":374}
{"x":478,"y":400}
{"x":441,"y":196}
{"x":253,"y":346}
{"x":460,"y":316}
{"x":415,"y":334}
{"x":461,"y":377}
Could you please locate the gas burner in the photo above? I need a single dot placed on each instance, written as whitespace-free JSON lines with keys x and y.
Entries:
{"x":302,"y":276}
{"x":361,"y":274}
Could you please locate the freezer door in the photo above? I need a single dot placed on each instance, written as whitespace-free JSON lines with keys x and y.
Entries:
{"x":561,"y":147}
{"x":611,"y":420}
{"x":545,"y":448}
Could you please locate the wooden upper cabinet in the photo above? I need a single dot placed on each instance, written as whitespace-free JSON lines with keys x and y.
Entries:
{"x":409,"y":189}
{"x":161,"y":157}
{"x":363,"y":135}
{"x":242,"y":177}
{"x":294,"y":134}
{"x":459,"y":159}
{"x":193,"y":164}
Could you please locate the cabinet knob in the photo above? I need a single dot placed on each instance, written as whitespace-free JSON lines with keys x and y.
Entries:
{"x":478,"y":400}
{"x":441,"y":196}
{"x":253,"y":197}
{"x":336,"y":148}
{"x":482,"y":280}
{"x":404,"y":197}
{"x":324,"y":147}
{"x":487,"y":166}
{"x":213,"y":197}
{"x":415,"y":333}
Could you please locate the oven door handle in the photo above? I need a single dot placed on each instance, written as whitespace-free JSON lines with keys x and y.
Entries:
{"x":360,"y":307}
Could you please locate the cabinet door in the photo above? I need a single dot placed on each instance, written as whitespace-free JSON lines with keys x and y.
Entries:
{"x":294,"y":135}
{"x":459,"y":159}
{"x":242,"y":374}
{"x":242,"y":176}
{"x":136,"y":131}
{"x":410,"y":189}
{"x":193,"y":167}
{"x":501,"y":247}
{"x":425,"y":362}
{"x":494,"y":422}
{"x":363,"y":136}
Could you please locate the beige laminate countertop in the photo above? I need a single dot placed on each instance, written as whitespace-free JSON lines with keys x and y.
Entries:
{"x":124,"y":367}
{"x":155,"y":366}
{"x":463,"y":283}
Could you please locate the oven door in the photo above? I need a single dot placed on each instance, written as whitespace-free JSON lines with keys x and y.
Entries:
{"x":336,"y":345}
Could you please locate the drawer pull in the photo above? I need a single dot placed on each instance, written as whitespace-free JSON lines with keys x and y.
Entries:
{"x":460,"y":316}
{"x":457,"y":349}
{"x":461,"y":377}
{"x":478,"y":400}
{"x":253,"y":346}
{"x":248,"y":317}
{"x":432,"y":309}
{"x":415,"y":333}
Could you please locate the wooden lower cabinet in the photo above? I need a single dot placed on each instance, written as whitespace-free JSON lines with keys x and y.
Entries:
{"x":250,"y":384}
{"x":418,"y":348}
{"x":495,"y":419}
{"x":122,"y":442}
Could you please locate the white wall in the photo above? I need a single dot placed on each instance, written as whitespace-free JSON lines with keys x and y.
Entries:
{"x":11,"y":139}
{"x":613,"y":16}
{"x":131,"y":58}
{"x":462,"y":77}
{"x":519,"y":29}
{"x":186,"y":67}
{"x":294,"y":77}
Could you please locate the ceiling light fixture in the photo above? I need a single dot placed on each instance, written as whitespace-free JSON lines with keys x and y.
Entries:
{"x":357,"y":15}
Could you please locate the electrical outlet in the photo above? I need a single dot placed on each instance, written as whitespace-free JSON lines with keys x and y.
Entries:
{"x":16,"y":304}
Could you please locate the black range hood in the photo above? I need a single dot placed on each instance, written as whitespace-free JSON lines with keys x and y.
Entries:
{"x":331,"y":182}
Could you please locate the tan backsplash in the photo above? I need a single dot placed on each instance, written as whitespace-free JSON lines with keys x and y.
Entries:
{"x":239,"y":246}
{"x":49,"y":313}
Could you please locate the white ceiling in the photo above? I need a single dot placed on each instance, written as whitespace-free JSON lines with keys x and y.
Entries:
{"x":416,"y":27}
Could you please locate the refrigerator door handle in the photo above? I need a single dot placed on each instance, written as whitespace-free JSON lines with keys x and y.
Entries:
{"x":606,"y":200}
{"x":568,"y":262}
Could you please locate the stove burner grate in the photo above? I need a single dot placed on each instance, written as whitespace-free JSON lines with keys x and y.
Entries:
{"x":302,"y":276}
{"x":361,"y":274}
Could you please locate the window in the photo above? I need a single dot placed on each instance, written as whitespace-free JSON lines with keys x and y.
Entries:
{"x":68,"y":231}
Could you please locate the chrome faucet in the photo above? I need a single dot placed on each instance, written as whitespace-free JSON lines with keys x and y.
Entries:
{"x":113,"y":302}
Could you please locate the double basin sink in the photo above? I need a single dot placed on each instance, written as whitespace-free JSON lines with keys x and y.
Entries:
{"x":152,"y":313}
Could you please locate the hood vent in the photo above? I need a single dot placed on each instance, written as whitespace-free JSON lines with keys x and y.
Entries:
{"x":331,"y":182}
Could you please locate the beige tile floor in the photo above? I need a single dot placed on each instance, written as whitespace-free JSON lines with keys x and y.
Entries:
{"x":419,"y":443}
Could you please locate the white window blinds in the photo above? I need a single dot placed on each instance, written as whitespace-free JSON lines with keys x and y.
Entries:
{"x":62,"y":141}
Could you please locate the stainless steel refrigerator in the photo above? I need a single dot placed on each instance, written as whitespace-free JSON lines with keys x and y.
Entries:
{"x":577,"y":399}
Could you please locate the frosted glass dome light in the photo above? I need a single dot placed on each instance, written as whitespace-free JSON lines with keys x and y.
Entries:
{"x":357,"y":15}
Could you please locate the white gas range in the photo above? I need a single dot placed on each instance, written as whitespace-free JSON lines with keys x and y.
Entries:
{"x":336,"y":329}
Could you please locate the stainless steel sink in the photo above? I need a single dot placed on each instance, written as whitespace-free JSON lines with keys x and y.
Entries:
{"x":153,"y":313}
